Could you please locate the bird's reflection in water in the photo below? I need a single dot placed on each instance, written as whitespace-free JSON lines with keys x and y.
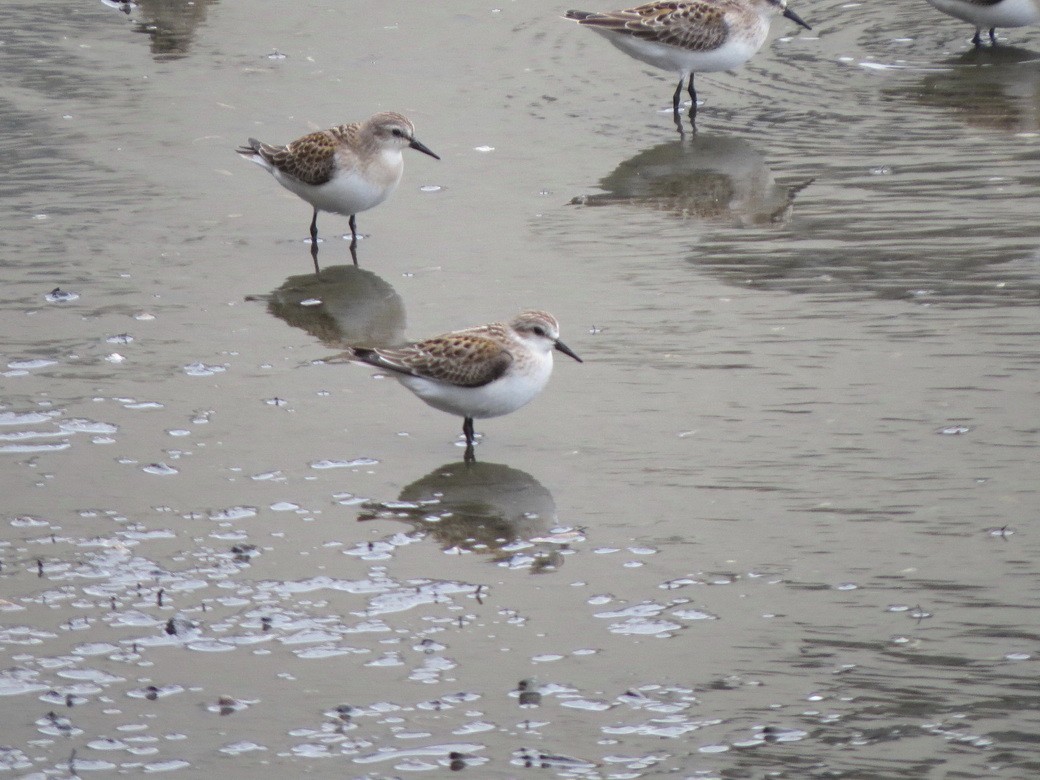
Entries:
{"x":707,"y":177}
{"x":483,"y":507}
{"x":315,"y":244}
{"x":170,"y":24}
{"x":341,"y":305}
{"x":993,"y":88}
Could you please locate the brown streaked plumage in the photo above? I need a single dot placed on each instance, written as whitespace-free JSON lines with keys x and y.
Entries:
{"x":312,"y":158}
{"x":697,"y":26}
{"x":465,"y":358}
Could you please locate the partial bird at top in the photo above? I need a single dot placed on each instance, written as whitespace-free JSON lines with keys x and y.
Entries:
{"x":991,"y":14}
{"x":698,"y":36}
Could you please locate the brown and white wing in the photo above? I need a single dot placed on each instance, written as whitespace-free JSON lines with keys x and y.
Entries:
{"x":310,"y":159}
{"x":463,"y":359}
{"x":698,"y":25}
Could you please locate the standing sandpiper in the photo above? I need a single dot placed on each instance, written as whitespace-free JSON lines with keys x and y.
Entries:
{"x":485,"y":371}
{"x":700,"y":36}
{"x":345,"y":169}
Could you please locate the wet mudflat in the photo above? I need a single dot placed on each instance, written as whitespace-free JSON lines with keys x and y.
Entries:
{"x":780,"y":523}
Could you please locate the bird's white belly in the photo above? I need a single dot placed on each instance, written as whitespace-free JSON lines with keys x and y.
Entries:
{"x":732,"y":54}
{"x":346,"y":193}
{"x":1009,"y":13}
{"x":504,"y":395}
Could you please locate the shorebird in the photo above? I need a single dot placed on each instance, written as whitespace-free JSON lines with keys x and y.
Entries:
{"x":480,"y":372}
{"x":345,"y":169}
{"x":699,"y":36}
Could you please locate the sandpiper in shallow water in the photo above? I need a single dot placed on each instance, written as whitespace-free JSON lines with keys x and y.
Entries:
{"x":480,"y":372}
{"x":345,"y":169}
{"x":991,"y":14}
{"x":699,"y":36}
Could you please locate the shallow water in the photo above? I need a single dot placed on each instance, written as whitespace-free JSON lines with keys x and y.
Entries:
{"x":779,"y":523}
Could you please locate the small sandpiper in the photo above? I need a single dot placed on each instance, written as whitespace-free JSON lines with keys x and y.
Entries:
{"x":699,"y":36}
{"x":345,"y":169}
{"x":991,"y":14}
{"x":485,"y":371}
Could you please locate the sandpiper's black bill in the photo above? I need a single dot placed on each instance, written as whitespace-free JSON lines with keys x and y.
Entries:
{"x":419,"y":147}
{"x":567,"y":351}
{"x":794,"y":18}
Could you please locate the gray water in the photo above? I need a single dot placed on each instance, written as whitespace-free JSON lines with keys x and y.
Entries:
{"x":780,"y":523}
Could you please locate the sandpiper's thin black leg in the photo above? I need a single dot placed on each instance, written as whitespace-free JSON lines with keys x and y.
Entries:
{"x":353,"y":232}
{"x":677,"y":99}
{"x":314,"y":256}
{"x":993,"y":35}
{"x":977,"y":40}
{"x":693,"y":104}
{"x":314,"y":228}
{"x":353,"y":253}
{"x":467,"y":431}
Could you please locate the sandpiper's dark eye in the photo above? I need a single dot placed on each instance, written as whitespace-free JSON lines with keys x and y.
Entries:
{"x":538,"y":330}
{"x":396,"y":131}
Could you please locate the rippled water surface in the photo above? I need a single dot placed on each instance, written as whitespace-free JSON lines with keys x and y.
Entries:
{"x":780,"y":523}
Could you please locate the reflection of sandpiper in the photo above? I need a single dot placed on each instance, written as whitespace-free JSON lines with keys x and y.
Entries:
{"x":341,"y":305}
{"x":483,"y":507}
{"x":708,"y":177}
{"x":170,"y":24}
{"x":994,"y":89}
